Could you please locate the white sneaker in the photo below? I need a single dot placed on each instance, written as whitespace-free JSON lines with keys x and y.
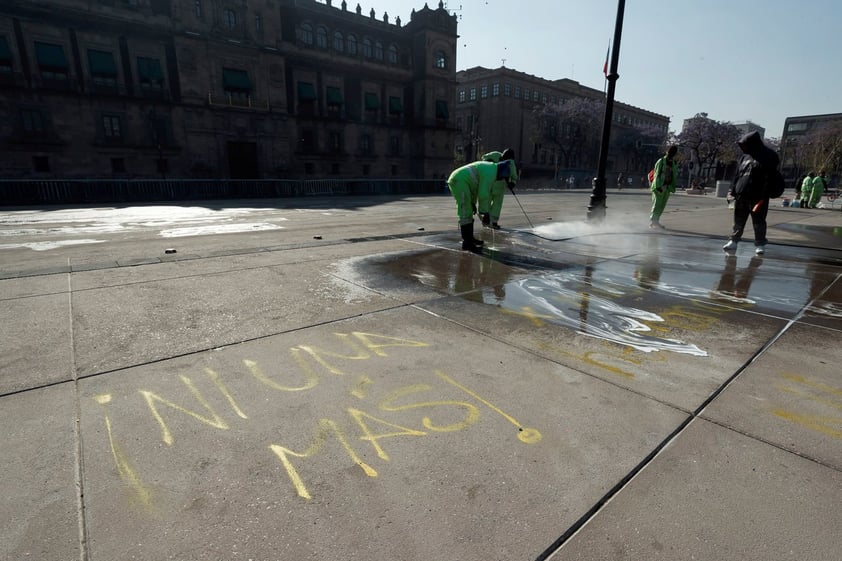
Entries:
{"x":760,"y":249}
{"x":730,"y":246}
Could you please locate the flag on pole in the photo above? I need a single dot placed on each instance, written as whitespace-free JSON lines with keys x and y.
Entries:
{"x":605,"y":64}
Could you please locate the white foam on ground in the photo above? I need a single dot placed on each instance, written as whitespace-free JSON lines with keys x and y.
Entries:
{"x":218,"y":229}
{"x":44,"y":246}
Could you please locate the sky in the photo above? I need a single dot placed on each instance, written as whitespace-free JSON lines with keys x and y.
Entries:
{"x":736,"y":60}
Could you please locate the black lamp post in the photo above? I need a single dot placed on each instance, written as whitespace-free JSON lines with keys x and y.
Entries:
{"x":596,"y":207}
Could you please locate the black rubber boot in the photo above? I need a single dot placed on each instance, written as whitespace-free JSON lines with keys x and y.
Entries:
{"x":486,"y":219}
{"x":469,"y":242}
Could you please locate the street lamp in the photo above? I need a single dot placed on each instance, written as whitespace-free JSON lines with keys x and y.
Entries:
{"x":596,"y":207}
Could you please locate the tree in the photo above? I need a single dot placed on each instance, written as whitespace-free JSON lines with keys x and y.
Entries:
{"x":823,"y":148}
{"x":572,"y":129}
{"x":708,"y":142}
{"x":639,"y":146}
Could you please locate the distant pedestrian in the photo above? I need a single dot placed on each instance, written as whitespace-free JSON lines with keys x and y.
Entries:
{"x":663,"y":184}
{"x":817,"y":188}
{"x":806,"y":189}
{"x":620,"y":180}
{"x":750,"y":190}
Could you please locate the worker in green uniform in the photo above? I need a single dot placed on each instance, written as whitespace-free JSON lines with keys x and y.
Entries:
{"x":469,"y":185}
{"x":817,"y":188}
{"x":806,"y":188}
{"x":663,"y":184}
{"x":490,"y":214}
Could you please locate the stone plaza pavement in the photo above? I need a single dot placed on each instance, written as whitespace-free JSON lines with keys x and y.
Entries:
{"x":354,"y":387}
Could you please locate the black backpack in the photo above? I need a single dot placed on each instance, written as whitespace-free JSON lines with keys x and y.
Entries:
{"x":776,"y":184}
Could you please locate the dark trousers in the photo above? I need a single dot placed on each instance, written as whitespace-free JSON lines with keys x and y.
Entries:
{"x":745,"y":208}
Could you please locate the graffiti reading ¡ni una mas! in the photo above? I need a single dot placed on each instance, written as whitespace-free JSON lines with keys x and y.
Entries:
{"x":313,"y":363}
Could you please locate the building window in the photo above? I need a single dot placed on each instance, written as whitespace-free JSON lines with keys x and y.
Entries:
{"x":442,"y":112}
{"x":41,"y":164}
{"x":32,"y":122}
{"x":335,"y":141}
{"x":495,"y":89}
{"x":394,"y":146}
{"x":483,"y":92}
{"x":458,"y":126}
{"x":441,"y":60}
{"x":118,"y":165}
{"x":229,"y":18}
{"x":366,"y":169}
{"x":393,"y":54}
{"x":149,"y":73}
{"x":338,"y":42}
{"x":461,"y":96}
{"x":258,"y":23}
{"x":367,"y":47}
{"x":5,"y":55}
{"x":52,"y":62}
{"x":394,"y":170}
{"x":197,"y":8}
{"x":507,"y":90}
{"x":306,"y":99}
{"x":334,"y":101}
{"x":321,"y":37}
{"x":366,"y":147}
{"x":472,"y":95}
{"x":517,"y":92}
{"x":372,"y":101}
{"x":526,"y":94}
{"x":236,"y":85}
{"x":535,"y":95}
{"x":112,"y":127}
{"x":102,"y":67}
{"x":309,"y":168}
{"x":796,"y":127}
{"x":305,"y":34}
{"x":378,"y":50}
{"x":352,"y":45}
{"x":395,"y":105}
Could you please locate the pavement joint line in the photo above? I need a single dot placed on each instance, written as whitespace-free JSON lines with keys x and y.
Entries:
{"x":78,"y":452}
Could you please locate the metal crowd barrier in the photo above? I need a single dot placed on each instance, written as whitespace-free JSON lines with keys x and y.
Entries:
{"x":97,"y":191}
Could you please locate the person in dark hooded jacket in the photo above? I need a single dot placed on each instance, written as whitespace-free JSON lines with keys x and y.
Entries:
{"x":750,"y":190}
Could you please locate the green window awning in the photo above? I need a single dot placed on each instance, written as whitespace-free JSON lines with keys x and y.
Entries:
{"x":395,"y":104}
{"x":306,"y":91}
{"x":149,"y":69}
{"x":102,"y":63}
{"x":236,"y":80}
{"x":372,"y":102}
{"x":441,"y":110}
{"x":334,"y":96}
{"x":5,"y":51}
{"x":50,"y":56}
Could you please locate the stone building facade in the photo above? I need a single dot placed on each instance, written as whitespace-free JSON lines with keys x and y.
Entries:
{"x":495,"y":108}
{"x":224,"y":89}
{"x":806,"y":145}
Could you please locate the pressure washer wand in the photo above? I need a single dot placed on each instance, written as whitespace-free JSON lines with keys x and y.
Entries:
{"x":521,"y":208}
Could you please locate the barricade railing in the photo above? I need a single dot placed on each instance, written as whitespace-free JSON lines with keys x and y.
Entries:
{"x":96,"y":191}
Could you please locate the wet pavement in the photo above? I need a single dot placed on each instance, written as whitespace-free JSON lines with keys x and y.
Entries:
{"x":343,"y":383}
